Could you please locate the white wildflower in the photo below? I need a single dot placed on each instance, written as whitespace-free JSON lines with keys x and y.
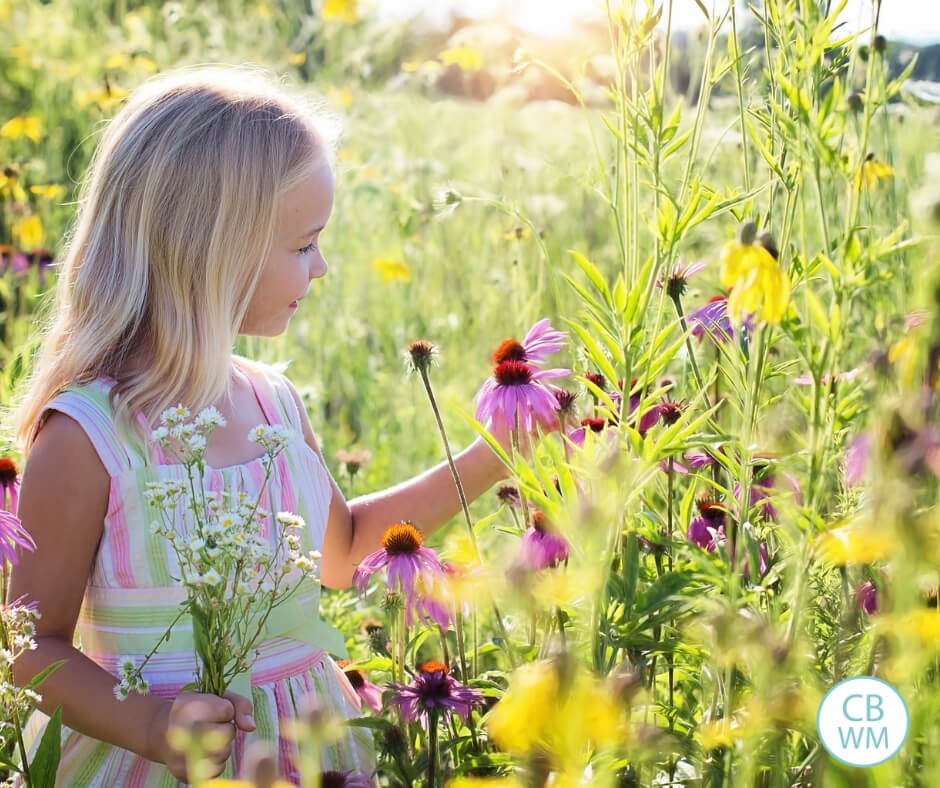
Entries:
{"x":121,"y":691}
{"x":212,"y":578}
{"x":208,"y":419}
{"x":174,"y":416}
{"x":290,"y":520}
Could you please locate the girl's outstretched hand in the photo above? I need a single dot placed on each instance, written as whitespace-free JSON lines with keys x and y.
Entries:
{"x":195,"y":714}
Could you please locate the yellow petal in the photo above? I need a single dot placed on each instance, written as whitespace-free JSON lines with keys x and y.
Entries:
{"x":392,"y":270}
{"x":468,"y":58}
{"x":28,"y":232}
{"x":853,"y":544}
{"x":51,"y":191}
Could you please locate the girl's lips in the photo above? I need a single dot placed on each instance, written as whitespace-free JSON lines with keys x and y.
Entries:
{"x":293,"y":304}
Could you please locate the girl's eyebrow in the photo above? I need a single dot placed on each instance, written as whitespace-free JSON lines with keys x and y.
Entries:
{"x":314,"y":231}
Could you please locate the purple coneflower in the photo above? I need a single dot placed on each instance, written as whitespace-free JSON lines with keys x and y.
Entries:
{"x":866,"y":597}
{"x":371,"y":694}
{"x":856,"y":459}
{"x":434,"y":690}
{"x":12,"y":536}
{"x":9,"y":485}
{"x":681,"y":273}
{"x":707,"y":530}
{"x":406,"y":559}
{"x":764,"y":488}
{"x":541,"y":341}
{"x":516,"y":390}
{"x":594,"y":425}
{"x":541,"y":545}
{"x":649,"y":418}
{"x":839,"y":377}
{"x":347,"y":779}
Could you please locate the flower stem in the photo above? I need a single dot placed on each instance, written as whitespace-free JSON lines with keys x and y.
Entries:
{"x":450,"y":461}
{"x":432,"y":748}
{"x":5,"y":642}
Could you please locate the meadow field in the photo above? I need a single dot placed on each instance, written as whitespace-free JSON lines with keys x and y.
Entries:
{"x":740,"y":507}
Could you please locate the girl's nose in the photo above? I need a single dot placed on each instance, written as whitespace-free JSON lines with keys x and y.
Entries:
{"x":318,"y":267}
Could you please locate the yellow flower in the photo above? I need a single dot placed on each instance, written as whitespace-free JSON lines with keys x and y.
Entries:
{"x":342,"y":96}
{"x":341,"y":10}
{"x":116,"y":61}
{"x":853,"y":544}
{"x":10,"y":186}
{"x":105,"y":97}
{"x":27,"y":231}
{"x":539,"y":714}
{"x":758,"y":285}
{"x":22,"y":126}
{"x":392,"y":270}
{"x":297,"y":58}
{"x":51,"y":191}
{"x":872,"y":171}
{"x":924,"y":624}
{"x":468,"y":58}
{"x":518,"y":233}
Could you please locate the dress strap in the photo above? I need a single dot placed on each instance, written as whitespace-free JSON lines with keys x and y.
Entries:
{"x":88,"y":404}
{"x":273,"y":395}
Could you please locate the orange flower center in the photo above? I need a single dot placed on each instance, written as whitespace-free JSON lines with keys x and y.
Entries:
{"x":432,"y":666}
{"x":8,"y":470}
{"x":401,"y":539}
{"x":509,"y":350}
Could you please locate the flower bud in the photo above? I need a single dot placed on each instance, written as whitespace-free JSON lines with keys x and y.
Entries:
{"x":855,"y":103}
{"x":880,"y":44}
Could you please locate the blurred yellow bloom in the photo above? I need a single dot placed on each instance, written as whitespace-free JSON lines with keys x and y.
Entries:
{"x":758,"y":285}
{"x":342,"y":96}
{"x":872,"y":171}
{"x":853,"y":544}
{"x":341,"y":10}
{"x":410,"y":66}
{"x":392,"y":270}
{"x":105,"y":97}
{"x":567,"y":588}
{"x":22,"y":126}
{"x":924,"y":624}
{"x":263,"y":11}
{"x":521,"y":232}
{"x":348,"y":156}
{"x":117,"y":60}
{"x":27,"y":232}
{"x":10,"y":188}
{"x":538,"y":715}
{"x":297,"y":58}
{"x":468,"y":58}
{"x":51,"y":191}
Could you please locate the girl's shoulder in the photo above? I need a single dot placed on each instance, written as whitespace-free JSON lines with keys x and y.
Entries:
{"x":278,"y":384}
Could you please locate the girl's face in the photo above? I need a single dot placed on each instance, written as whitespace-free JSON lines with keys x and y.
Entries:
{"x":295,"y":257}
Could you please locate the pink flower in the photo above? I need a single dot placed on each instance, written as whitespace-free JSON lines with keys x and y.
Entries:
{"x":541,"y":545}
{"x":856,"y":459}
{"x":594,"y":425}
{"x":541,"y":341}
{"x":681,"y":273}
{"x":9,"y":485}
{"x":406,"y":559}
{"x":370,"y":693}
{"x":839,"y":377}
{"x":434,"y":690}
{"x":866,"y":597}
{"x":515,"y":391}
{"x":12,"y":536}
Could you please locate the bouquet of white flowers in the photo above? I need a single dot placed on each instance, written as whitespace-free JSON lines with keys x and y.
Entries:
{"x":233,"y":575}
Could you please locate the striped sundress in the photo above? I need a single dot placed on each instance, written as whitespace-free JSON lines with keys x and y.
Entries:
{"x":132,"y":596}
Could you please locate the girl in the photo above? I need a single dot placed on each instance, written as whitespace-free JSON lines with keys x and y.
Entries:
{"x":199,"y":221}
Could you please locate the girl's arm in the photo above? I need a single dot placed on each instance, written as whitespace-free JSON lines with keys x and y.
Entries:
{"x":429,"y":500}
{"x":63,"y":501}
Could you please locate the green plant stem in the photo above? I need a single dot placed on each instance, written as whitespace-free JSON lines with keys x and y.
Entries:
{"x":5,"y":642}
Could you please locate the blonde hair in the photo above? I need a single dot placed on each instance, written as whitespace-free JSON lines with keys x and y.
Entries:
{"x":176,"y":215}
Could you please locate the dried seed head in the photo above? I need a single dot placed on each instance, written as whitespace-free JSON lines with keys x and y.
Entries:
{"x":880,"y":44}
{"x":421,"y":353}
{"x":855,"y":103}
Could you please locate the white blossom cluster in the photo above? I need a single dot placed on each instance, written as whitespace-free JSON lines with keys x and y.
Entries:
{"x":231,"y":570}
{"x":131,"y":680}
{"x":187,"y":439}
{"x":19,"y":622}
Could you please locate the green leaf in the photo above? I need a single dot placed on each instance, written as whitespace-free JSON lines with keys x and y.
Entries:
{"x":43,"y":674}
{"x":200,"y":633}
{"x":46,"y":761}
{"x":596,"y":277}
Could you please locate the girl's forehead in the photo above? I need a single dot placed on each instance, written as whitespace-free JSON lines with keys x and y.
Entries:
{"x":306,"y":206}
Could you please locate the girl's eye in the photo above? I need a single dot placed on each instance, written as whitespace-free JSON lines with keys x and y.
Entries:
{"x":308,"y":248}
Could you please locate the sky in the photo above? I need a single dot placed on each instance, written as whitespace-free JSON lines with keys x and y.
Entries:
{"x":917,"y":21}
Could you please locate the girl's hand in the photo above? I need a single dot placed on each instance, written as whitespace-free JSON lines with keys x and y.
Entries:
{"x":212,"y":719}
